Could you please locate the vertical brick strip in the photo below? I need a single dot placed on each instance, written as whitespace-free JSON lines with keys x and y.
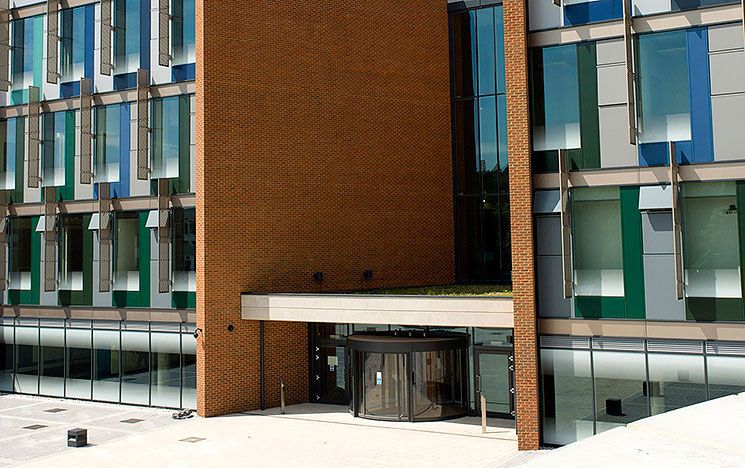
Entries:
{"x":521,"y":220}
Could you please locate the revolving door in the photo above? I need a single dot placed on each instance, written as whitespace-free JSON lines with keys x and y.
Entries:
{"x":417,"y":377}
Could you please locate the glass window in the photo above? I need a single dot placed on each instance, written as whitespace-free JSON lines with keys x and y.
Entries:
{"x":71,"y":252}
{"x":6,"y":357}
{"x":189,"y":371}
{"x":52,"y":369}
{"x":183,"y":31}
{"x":26,"y":59}
{"x":11,"y":145}
{"x":107,"y":144}
{"x":135,"y":367}
{"x":72,"y":43}
{"x":53,"y":149}
{"x":664,"y":103}
{"x":79,"y":364}
{"x":463,"y":26}
{"x":596,"y":242}
{"x":556,"y":112}
{"x":127,"y":251}
{"x":27,"y":360}
{"x":165,"y":137}
{"x":19,"y":266}
{"x":486,"y":61}
{"x":567,"y":396}
{"x":676,"y":381}
{"x":165,"y":356}
{"x":127,"y":23}
{"x":620,"y":397}
{"x":184,"y":250}
{"x":711,"y":240}
{"x":726,"y":375}
{"x":492,"y":336}
{"x":106,"y":365}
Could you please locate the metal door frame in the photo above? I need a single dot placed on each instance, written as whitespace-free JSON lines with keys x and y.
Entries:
{"x":477,"y":350}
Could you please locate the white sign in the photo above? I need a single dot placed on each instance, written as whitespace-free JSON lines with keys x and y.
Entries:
{"x":378,"y":378}
{"x":333,"y":361}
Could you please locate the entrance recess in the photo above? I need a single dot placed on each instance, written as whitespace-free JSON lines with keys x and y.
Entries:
{"x":417,"y":377}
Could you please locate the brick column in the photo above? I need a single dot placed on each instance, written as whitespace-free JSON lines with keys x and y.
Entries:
{"x":521,"y":216}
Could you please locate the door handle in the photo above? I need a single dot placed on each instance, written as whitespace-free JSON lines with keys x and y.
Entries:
{"x":478,"y":383}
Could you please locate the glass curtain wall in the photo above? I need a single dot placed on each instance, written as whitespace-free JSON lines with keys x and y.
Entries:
{"x":120,"y":362}
{"x":184,"y":250}
{"x":126,"y":251}
{"x":72,"y":42}
{"x":588,"y":391}
{"x":53,"y":148}
{"x":26,"y":58}
{"x":19,"y":264}
{"x":12,"y":134}
{"x":71,"y":241}
{"x":480,"y":135}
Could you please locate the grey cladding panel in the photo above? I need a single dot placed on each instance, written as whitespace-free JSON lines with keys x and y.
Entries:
{"x":611,"y":51}
{"x":551,"y":302}
{"x":615,"y":150}
{"x":612,"y":85}
{"x":548,"y":235}
{"x":725,"y":37}
{"x":729,"y":137}
{"x":657,"y":232}
{"x":659,"y":289}
{"x":727,"y":72}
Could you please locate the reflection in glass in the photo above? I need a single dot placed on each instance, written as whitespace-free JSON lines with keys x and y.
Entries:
{"x":620,"y":380}
{"x":27,"y":360}
{"x":183,"y":31}
{"x":127,"y":251}
{"x":72,"y":41}
{"x":52,"y":368}
{"x":24,"y":50}
{"x":71,"y":252}
{"x":726,"y":375}
{"x":567,"y":396}
{"x":6,"y":358}
{"x":19,"y":264}
{"x":12,"y":135}
{"x":106,"y":365}
{"x":107,"y":142}
{"x":664,"y":103}
{"x":184,"y":250}
{"x":127,"y":23}
{"x":675,"y":380}
{"x":384,"y":389}
{"x":596,"y":230}
{"x":165,"y":356}
{"x":437,"y":384}
{"x":189,"y":371}
{"x":495,"y":382}
{"x":79,"y":364}
{"x":711,"y":240}
{"x":136,"y":367}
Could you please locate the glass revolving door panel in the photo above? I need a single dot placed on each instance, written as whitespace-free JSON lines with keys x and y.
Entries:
{"x":438,"y":385}
{"x":384,"y":391}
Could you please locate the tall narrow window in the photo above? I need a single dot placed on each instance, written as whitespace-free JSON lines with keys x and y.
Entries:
{"x":11,"y":146}
{"x":184,"y":250}
{"x":19,"y":264}
{"x":165,"y":138}
{"x":53,"y":148}
{"x":26,"y":57}
{"x":127,"y":251}
{"x":71,"y":256}
{"x":480,"y":152}
{"x":79,"y":363}
{"x":74,"y":26}
{"x":107,"y":143}
{"x":127,"y":25}
{"x":183,"y":37}
{"x":165,"y":356}
{"x":106,"y":365}
{"x":6,"y":355}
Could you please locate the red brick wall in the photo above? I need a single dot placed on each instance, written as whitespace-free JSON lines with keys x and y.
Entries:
{"x":521,"y":220}
{"x":323,"y":144}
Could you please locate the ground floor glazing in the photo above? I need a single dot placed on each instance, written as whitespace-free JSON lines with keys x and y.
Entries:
{"x":138,"y":363}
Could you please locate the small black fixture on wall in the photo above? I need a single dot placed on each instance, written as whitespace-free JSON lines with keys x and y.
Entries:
{"x":367,"y":275}
{"x":318,"y":277}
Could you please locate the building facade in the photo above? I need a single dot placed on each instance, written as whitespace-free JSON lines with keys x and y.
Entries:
{"x":196,"y":213}
{"x":98,"y":257}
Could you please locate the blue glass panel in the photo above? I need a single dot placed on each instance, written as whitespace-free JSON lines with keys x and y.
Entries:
{"x":486,"y":53}
{"x":53,"y":149}
{"x":592,"y":12}
{"x":72,"y":44}
{"x":499,"y":46}
{"x":127,"y":27}
{"x":8,"y":156}
{"x":183,"y":31}
{"x":488,"y":133}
